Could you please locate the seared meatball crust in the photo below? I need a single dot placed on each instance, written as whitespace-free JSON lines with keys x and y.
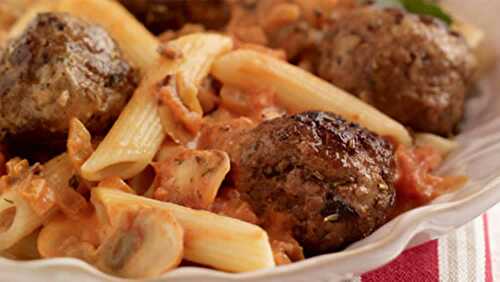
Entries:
{"x":61,"y":67}
{"x":333,"y":178}
{"x":411,"y":67}
{"x":161,"y":15}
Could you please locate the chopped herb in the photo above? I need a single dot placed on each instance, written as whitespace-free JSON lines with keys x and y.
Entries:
{"x":8,"y":201}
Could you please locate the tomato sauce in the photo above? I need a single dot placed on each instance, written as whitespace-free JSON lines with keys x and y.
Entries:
{"x":415,"y":184}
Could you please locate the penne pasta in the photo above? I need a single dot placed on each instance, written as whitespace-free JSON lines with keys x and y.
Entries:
{"x":17,"y":214}
{"x":25,"y":249}
{"x":138,"y":133}
{"x":117,"y":183}
{"x":443,"y":145}
{"x":298,"y":90}
{"x":58,"y":172}
{"x":223,"y":154}
{"x":221,"y":242}
{"x":18,"y":219}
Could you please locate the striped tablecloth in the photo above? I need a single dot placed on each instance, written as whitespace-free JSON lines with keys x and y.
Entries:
{"x":472,"y":253}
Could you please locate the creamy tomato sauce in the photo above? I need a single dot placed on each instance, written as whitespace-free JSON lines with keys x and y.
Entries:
{"x":277,"y":225}
{"x":416,"y":185}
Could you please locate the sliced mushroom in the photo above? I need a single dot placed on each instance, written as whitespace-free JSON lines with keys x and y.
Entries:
{"x":145,"y":243}
{"x":136,"y":242}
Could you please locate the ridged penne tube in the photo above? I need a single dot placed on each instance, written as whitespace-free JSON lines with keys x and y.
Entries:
{"x":297,"y":90}
{"x":25,"y":220}
{"x":221,"y":242}
{"x":138,"y":133}
{"x":443,"y":145}
{"x":20,"y":219}
{"x":58,"y":171}
{"x":25,"y":249}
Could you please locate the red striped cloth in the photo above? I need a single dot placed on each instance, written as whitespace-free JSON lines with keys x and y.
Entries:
{"x":471,"y":253}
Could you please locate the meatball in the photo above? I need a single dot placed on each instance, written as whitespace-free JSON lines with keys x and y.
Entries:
{"x":161,"y":15}
{"x":61,"y":67}
{"x":411,"y":67}
{"x":334,"y":179}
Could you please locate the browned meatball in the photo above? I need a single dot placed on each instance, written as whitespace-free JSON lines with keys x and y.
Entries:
{"x":161,"y":15}
{"x":332,"y":177}
{"x":411,"y":67}
{"x":61,"y":67}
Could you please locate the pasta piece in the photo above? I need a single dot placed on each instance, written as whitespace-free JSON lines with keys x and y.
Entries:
{"x":117,"y":183}
{"x":221,"y":242}
{"x":28,"y":203}
{"x":190,"y":178}
{"x":298,"y":90}
{"x":25,"y":249}
{"x":28,"y":199}
{"x":443,"y":145}
{"x":132,"y":141}
{"x":137,"y":134}
{"x":185,"y":82}
{"x":18,"y":219}
{"x":59,"y":172}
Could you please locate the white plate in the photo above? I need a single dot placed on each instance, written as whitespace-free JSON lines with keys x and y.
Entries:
{"x":478,"y":158}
